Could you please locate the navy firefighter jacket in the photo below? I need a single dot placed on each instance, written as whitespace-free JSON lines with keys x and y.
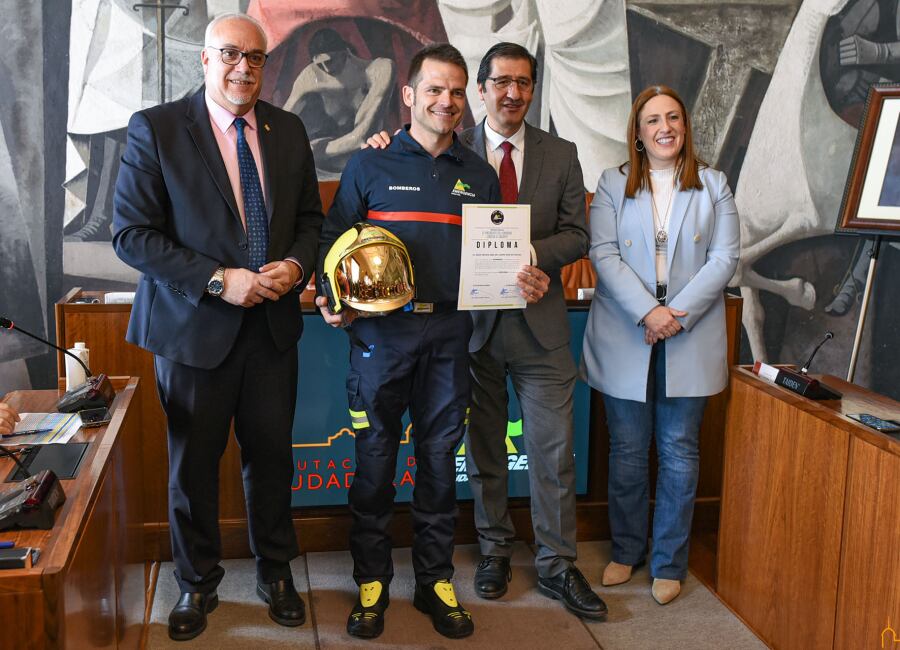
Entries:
{"x":419,"y":199}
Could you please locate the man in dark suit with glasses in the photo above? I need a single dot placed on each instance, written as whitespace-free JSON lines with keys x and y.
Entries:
{"x":217,"y":205}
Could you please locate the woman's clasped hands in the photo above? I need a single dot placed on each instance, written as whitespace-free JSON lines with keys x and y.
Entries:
{"x":662,"y":323}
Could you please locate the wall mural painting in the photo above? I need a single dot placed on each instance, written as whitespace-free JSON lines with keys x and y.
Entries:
{"x":776,"y":90}
{"x":113,"y":72}
{"x":797,"y":279}
{"x":340,"y":66}
{"x":584,"y":88}
{"x":23,"y":271}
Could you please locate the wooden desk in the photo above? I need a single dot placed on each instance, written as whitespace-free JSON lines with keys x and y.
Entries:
{"x":87,"y":589}
{"x":809,"y":537}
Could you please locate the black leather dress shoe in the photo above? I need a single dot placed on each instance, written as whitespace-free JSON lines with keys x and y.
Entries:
{"x":492,"y":576}
{"x":188,"y":617}
{"x":366,"y":619}
{"x":574,"y":591}
{"x":285,"y":605}
{"x":448,"y":617}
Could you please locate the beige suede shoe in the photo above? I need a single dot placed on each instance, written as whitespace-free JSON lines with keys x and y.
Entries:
{"x":615,"y":574}
{"x":664,"y":591}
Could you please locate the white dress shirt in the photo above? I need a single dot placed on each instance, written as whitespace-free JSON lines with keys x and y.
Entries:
{"x":493,"y":140}
{"x":662,"y":182}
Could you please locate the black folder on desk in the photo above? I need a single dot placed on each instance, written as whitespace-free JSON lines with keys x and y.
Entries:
{"x":62,"y":459}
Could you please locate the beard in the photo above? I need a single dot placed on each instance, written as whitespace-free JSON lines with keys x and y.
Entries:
{"x":239,"y":99}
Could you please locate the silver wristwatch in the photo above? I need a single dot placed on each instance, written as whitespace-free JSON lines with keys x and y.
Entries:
{"x":216,"y":283}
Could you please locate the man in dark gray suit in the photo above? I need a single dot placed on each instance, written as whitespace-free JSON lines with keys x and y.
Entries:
{"x":530,"y":345}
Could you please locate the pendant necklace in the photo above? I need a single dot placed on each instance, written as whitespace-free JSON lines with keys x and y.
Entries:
{"x":662,"y":237}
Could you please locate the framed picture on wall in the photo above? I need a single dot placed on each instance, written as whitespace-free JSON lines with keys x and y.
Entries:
{"x":871,"y":202}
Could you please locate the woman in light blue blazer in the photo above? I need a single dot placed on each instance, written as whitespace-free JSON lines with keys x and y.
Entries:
{"x":664,"y":243}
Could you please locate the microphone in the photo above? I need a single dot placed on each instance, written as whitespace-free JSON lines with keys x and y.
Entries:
{"x":96,"y":392}
{"x":5,"y":323}
{"x":805,"y":368}
{"x":799,"y":382}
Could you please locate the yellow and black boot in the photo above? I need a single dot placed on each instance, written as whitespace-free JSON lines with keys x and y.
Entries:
{"x":366,"y":620}
{"x":438,"y":600}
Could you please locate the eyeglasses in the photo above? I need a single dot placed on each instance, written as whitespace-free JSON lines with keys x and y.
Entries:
{"x":502,"y":83}
{"x":231,"y":56}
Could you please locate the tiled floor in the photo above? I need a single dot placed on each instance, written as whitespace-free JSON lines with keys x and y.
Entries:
{"x":522,"y":619}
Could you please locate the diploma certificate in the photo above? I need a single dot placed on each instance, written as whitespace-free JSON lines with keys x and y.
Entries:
{"x":496,"y":242}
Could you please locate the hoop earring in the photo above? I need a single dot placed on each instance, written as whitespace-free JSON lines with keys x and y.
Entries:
{"x":636,"y":143}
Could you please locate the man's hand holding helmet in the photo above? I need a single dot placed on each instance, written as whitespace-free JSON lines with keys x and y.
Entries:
{"x":367,"y":272}
{"x":347,"y":315}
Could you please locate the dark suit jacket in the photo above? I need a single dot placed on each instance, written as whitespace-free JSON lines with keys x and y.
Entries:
{"x":175,"y":219}
{"x":553,"y":184}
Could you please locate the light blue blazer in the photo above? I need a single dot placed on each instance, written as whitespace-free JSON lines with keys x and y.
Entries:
{"x":703,"y":248}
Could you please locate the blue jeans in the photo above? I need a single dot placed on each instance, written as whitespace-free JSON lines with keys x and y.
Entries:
{"x":675,"y":421}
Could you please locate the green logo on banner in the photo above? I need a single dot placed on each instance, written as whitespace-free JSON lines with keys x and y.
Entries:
{"x":513,"y":430}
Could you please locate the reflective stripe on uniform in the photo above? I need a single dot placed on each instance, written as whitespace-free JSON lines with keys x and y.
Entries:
{"x":359,"y":419}
{"x":466,"y":421}
{"x":413,"y":215}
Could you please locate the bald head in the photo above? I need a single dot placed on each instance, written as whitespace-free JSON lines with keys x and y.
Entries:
{"x":215,"y":23}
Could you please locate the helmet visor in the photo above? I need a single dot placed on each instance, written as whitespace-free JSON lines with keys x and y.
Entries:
{"x":375,"y":279}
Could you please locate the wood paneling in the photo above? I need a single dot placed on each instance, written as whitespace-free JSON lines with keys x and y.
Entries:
{"x":807,"y":547}
{"x":785,"y":473}
{"x":23,"y":626}
{"x":580,"y":273}
{"x":127,"y":482}
{"x":327,"y":190}
{"x":89,"y":591}
{"x":869,"y":592}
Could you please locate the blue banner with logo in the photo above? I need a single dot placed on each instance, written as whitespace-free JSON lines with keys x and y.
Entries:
{"x":323,"y":436}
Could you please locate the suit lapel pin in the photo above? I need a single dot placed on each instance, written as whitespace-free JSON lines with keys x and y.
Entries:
{"x":266,"y":127}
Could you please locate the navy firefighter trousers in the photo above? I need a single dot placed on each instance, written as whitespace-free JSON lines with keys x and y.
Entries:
{"x":420,"y":361}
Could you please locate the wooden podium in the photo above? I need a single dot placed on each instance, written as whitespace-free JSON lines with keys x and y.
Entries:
{"x":87,"y":589}
{"x":809,"y":536}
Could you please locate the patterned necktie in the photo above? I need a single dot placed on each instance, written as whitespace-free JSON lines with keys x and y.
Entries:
{"x":509,"y":184}
{"x":254,"y":205}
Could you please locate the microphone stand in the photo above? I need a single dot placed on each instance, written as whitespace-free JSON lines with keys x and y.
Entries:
{"x":5,"y":323}
{"x":95,"y":392}
{"x":805,"y":369}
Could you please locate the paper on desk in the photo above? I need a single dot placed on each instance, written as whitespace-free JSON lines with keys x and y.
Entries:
{"x":54,"y":428}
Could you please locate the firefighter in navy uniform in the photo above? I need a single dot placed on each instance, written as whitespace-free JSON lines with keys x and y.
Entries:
{"x":415,"y":357}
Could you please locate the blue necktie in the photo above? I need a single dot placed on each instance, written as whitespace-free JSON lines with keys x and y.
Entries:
{"x":254,"y":205}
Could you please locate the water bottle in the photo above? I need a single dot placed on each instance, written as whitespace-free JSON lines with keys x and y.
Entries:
{"x":75,"y":375}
